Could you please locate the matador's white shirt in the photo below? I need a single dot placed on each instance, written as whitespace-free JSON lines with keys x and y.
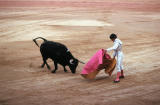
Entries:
{"x":117,"y":47}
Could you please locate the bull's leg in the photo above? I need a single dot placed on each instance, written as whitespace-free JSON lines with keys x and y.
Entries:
{"x":45,"y":62}
{"x":42,"y":66}
{"x":65,"y":70}
{"x":48,"y":66}
{"x":56,"y":67}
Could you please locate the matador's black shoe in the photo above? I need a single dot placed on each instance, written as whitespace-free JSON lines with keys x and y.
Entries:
{"x":121,"y":77}
{"x":116,"y":81}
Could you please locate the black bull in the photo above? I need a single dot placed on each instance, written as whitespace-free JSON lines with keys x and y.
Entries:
{"x":59,"y":55}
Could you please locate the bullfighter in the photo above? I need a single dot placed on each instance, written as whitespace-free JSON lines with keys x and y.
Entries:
{"x":117,"y":48}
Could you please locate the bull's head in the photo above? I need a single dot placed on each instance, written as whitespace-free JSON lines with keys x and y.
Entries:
{"x":73,"y":63}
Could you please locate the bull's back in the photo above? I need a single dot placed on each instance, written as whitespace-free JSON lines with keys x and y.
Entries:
{"x":50,"y":49}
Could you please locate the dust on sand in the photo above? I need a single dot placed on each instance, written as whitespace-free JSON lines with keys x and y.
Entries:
{"x":84,"y":30}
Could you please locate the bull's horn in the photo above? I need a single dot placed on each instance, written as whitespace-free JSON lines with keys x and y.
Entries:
{"x":81,"y":62}
{"x":71,"y":61}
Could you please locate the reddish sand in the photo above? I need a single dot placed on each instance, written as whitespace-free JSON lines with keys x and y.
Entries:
{"x":84,"y":27}
{"x":138,"y":5}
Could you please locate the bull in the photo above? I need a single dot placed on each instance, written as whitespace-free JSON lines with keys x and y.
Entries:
{"x":59,"y":54}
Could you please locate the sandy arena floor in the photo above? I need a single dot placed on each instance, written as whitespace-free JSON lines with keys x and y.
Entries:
{"x":84,"y":27}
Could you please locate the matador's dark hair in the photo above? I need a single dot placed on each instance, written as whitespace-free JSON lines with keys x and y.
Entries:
{"x":113,"y":36}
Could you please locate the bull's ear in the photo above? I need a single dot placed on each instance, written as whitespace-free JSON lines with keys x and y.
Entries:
{"x":71,"y":61}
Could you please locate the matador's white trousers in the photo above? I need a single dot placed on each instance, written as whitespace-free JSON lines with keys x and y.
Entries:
{"x":119,"y":64}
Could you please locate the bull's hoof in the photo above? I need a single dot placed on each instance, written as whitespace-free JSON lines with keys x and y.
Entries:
{"x":53,"y":71}
{"x":49,"y":68}
{"x":41,"y":66}
{"x":65,"y":71}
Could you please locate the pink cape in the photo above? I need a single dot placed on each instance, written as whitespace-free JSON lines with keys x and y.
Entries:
{"x":95,"y":62}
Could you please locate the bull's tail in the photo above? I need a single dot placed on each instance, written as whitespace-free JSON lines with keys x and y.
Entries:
{"x":34,"y":40}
